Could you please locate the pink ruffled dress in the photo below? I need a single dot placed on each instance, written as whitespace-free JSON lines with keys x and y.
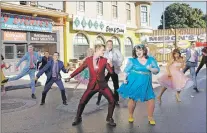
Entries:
{"x":178,"y":81}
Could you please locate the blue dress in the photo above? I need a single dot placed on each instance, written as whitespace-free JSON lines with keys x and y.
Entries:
{"x":139,"y":80}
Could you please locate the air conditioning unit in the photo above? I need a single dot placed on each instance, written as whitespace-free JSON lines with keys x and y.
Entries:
{"x":23,"y":2}
{"x":33,"y":3}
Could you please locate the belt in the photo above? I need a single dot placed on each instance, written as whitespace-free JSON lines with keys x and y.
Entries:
{"x":140,"y":72}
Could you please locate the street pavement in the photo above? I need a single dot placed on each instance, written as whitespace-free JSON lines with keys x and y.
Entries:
{"x":21,"y":114}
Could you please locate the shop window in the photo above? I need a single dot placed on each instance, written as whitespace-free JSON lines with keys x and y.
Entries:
{"x":9,"y":52}
{"x":81,"y":44}
{"x":99,"y":40}
{"x":116,"y":43}
{"x":128,"y":47}
{"x":20,"y":50}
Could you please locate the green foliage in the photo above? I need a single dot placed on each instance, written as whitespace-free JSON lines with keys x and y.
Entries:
{"x":179,"y":15}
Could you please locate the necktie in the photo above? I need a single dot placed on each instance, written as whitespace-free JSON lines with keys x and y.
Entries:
{"x":31,"y":60}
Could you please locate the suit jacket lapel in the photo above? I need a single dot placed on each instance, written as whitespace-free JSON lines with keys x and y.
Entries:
{"x":99,"y":64}
{"x":92,"y":64}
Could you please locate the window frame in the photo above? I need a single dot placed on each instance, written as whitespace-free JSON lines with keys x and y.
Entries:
{"x":99,"y":7}
{"x":146,"y":14}
{"x":79,"y":6}
{"x":114,"y":6}
{"x":128,"y":10}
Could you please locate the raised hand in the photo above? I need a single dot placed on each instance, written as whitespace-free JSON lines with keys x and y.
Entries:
{"x":110,"y":62}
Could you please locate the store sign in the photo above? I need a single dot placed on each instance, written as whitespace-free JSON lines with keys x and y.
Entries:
{"x":14,"y":36}
{"x":171,"y":38}
{"x":43,"y":37}
{"x":183,"y":44}
{"x":162,"y":51}
{"x":96,"y":25}
{"x":202,"y":37}
{"x":25,"y":23}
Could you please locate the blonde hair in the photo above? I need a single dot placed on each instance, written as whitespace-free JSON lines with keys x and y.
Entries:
{"x":98,"y":46}
{"x":90,"y":52}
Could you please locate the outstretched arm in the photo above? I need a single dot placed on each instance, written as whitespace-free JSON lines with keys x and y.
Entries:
{"x":80,"y":69}
{"x":46,"y":67}
{"x":22,"y":59}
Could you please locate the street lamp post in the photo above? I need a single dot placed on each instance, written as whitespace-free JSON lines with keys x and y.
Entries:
{"x":163,"y":21}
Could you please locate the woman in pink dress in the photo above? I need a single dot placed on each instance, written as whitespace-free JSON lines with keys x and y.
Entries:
{"x":174,"y":78}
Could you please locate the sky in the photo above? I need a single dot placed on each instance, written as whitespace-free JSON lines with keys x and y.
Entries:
{"x":157,"y":10}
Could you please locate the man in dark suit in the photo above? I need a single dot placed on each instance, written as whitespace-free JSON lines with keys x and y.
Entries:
{"x":44,"y":61}
{"x":97,"y":83}
{"x":53,"y":76}
{"x":203,"y":60}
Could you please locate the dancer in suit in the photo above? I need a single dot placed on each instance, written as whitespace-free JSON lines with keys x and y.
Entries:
{"x":97,"y":83}
{"x":53,"y":76}
{"x":203,"y":60}
{"x":44,"y":61}
{"x":31,"y":59}
{"x":115,"y":56}
{"x":191,"y":62}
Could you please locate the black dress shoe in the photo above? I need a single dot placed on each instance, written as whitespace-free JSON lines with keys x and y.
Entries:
{"x":33,"y":96}
{"x":77,"y":121}
{"x":42,"y":103}
{"x":4,"y":81}
{"x":111,"y":122}
{"x":65,"y":103}
{"x":98,"y":103}
{"x":196,"y":89}
{"x":117,"y":103}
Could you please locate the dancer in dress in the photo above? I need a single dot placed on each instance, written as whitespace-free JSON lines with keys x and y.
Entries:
{"x":3,"y":65}
{"x":30,"y":68}
{"x":83,"y":77}
{"x":53,"y":76}
{"x":203,"y":60}
{"x":174,"y":78}
{"x":97,"y":83}
{"x":138,"y":82}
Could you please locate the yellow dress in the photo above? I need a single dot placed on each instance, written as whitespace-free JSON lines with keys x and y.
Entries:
{"x":2,"y":76}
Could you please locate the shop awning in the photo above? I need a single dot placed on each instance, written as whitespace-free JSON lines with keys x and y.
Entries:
{"x":32,"y":10}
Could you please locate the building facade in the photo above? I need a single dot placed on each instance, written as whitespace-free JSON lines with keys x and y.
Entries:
{"x":183,"y":37}
{"x":91,"y":23}
{"x":25,"y":23}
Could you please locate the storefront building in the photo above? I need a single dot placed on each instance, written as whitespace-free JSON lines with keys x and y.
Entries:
{"x":165,"y":44}
{"x":18,"y":31}
{"x":93,"y":23}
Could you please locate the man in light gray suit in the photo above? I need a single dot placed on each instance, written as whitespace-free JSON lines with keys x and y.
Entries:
{"x":115,"y":56}
{"x":191,"y":62}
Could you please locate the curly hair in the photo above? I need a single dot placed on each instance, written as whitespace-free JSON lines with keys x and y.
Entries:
{"x":174,"y":52}
{"x":142,"y":47}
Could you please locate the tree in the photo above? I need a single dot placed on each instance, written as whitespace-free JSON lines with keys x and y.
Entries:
{"x":182,"y":16}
